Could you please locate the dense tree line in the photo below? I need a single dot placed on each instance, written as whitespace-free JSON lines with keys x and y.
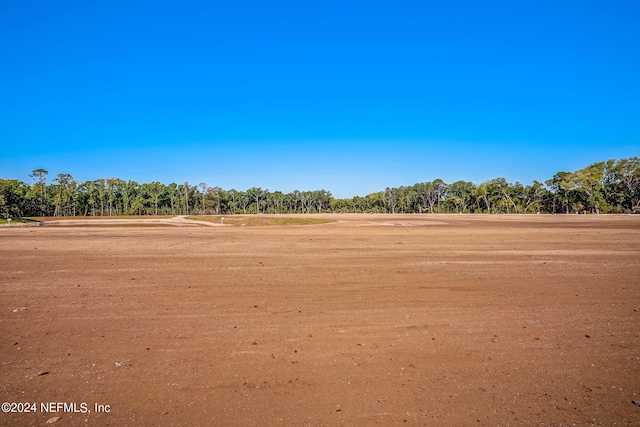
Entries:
{"x":604,"y":187}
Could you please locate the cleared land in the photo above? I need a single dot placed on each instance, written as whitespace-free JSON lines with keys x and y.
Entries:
{"x":370,"y":319}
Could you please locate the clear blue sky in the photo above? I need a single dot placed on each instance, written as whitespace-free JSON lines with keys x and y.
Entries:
{"x":348,"y":96}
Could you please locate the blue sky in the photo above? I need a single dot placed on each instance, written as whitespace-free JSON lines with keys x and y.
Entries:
{"x":350,"y":97}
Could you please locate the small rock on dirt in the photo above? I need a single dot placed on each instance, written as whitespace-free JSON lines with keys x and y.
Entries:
{"x":53,"y":420}
{"x":16,"y":310}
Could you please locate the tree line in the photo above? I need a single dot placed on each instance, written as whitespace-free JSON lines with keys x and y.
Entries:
{"x":611,"y":186}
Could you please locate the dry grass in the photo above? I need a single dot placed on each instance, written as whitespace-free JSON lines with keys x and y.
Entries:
{"x":261,"y":220}
{"x":118,"y":224}
{"x":93,"y":218}
{"x":18,"y":221}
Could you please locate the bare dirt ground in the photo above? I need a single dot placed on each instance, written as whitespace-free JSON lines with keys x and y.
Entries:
{"x":373,"y":319}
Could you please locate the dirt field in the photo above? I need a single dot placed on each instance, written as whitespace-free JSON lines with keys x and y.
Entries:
{"x":372,"y":319}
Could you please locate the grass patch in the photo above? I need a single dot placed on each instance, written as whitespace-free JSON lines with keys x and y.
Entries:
{"x":261,"y":220}
{"x":19,"y":221}
{"x":94,"y":218}
{"x":118,"y":225}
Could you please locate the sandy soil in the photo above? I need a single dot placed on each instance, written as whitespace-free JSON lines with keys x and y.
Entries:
{"x":370,"y":320}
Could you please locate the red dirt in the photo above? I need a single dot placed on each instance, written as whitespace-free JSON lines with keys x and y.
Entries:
{"x":374,"y":319}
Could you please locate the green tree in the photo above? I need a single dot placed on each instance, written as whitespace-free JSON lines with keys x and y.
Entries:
{"x":391,"y":199}
{"x":63,"y":180}
{"x":204,"y":189}
{"x":244,"y":200}
{"x":322,"y":199}
{"x":587,"y":183}
{"x":185,"y":189}
{"x":535,"y":194}
{"x":233,"y":203}
{"x":155,"y":191}
{"x":459,"y":195}
{"x":560,"y":189}
{"x":40,"y":176}
{"x":627,"y":171}
{"x":432,"y":194}
{"x":375,"y":202}
{"x":14,"y":199}
{"x":256,"y":195}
